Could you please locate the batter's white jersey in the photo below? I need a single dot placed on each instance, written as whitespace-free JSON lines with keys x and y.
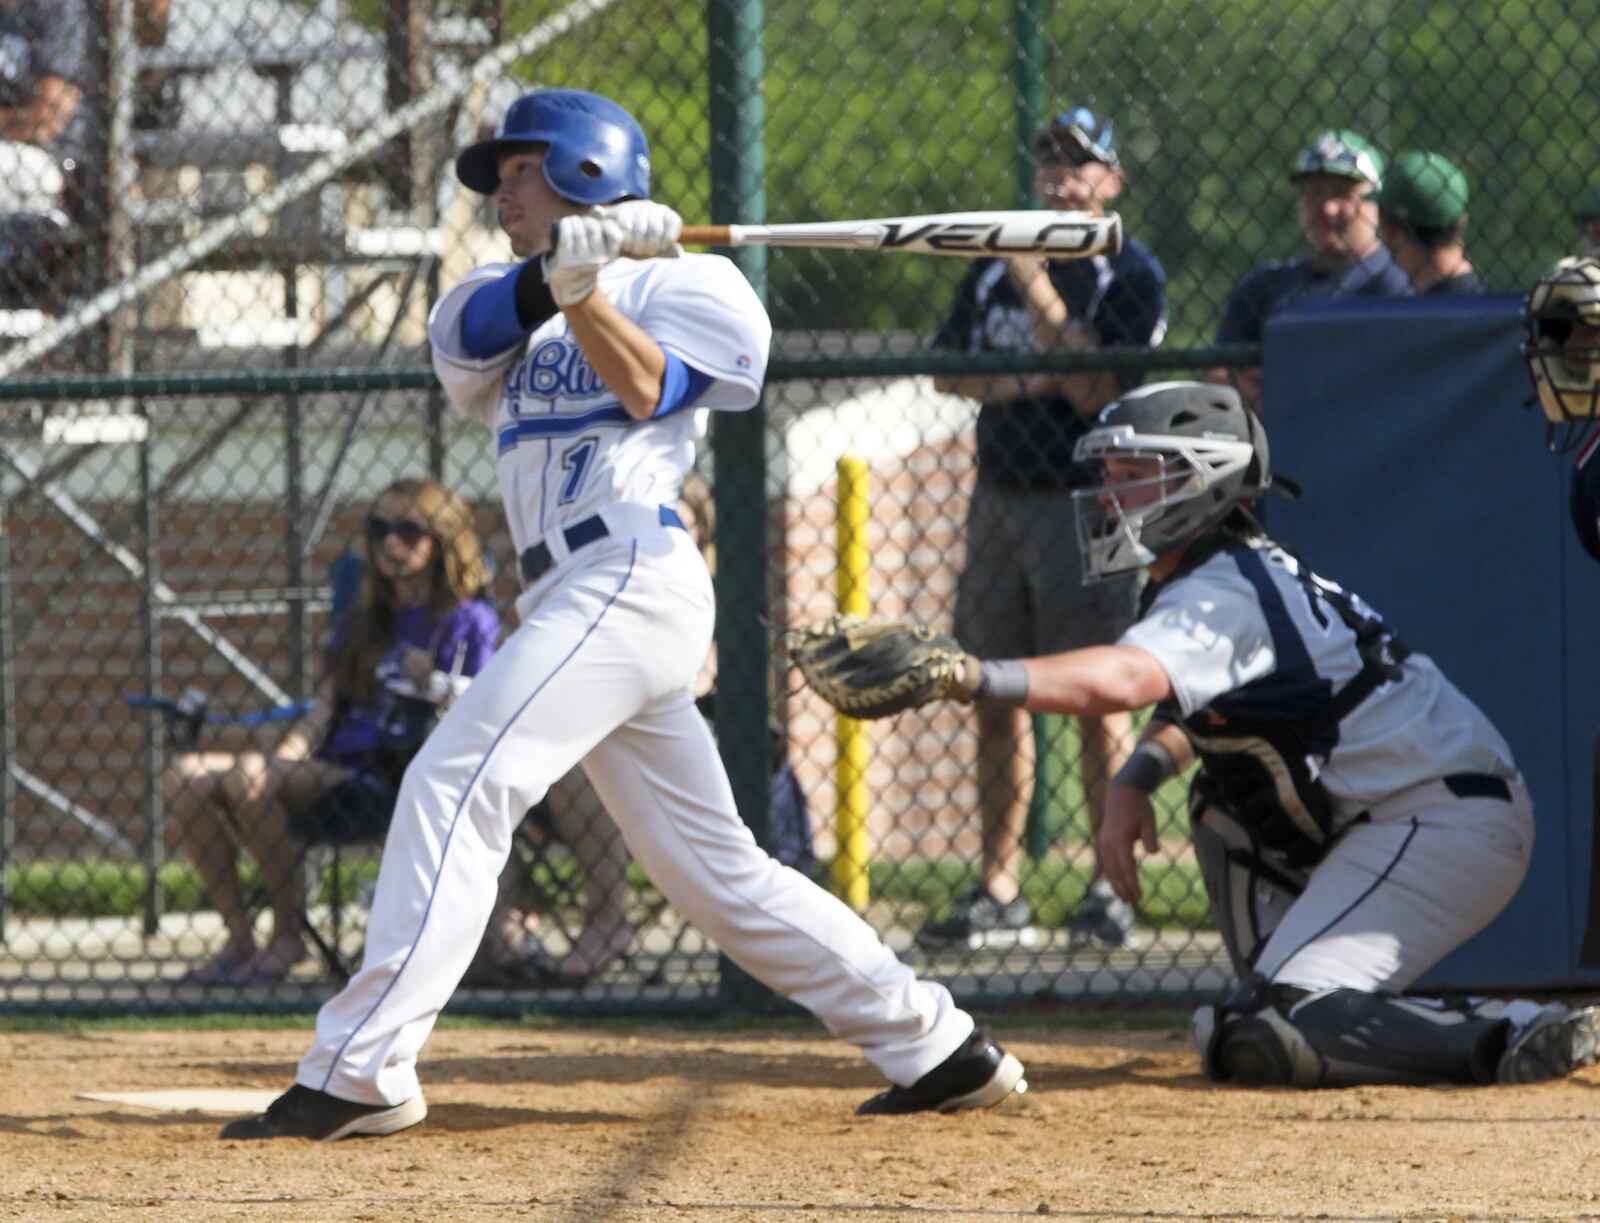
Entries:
{"x":566,"y":446}
{"x":1251,"y":635}
{"x":615,"y":623}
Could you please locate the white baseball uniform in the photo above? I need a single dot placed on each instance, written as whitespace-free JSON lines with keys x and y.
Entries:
{"x":1434,"y":825}
{"x":612,"y":634}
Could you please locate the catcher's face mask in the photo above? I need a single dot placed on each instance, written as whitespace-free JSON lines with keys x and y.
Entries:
{"x":1561,"y":344}
{"x":1155,"y":492}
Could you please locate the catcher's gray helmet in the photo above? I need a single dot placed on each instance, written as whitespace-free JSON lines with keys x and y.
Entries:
{"x":1207,"y":455}
{"x":1561,"y":327}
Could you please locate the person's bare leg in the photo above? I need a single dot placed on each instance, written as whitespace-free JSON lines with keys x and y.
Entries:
{"x":580,"y":821}
{"x":265,"y":790}
{"x":195,"y":807}
{"x":1005,"y":777}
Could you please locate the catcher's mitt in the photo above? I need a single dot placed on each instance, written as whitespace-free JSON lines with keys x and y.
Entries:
{"x":874,"y":668}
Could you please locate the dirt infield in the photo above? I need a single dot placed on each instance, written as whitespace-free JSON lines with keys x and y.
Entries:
{"x":576,"y":1124}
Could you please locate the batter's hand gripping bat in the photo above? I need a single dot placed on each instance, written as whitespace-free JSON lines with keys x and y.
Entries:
{"x":1060,"y":235}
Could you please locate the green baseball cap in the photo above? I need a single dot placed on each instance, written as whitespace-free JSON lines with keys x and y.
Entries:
{"x":1342,"y":152}
{"x":1424,"y":191}
{"x":1588,"y":203}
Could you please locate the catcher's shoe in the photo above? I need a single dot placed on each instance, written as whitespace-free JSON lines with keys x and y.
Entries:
{"x":1553,"y":1045}
{"x":978,"y":920}
{"x":979,"y":1074}
{"x":304,"y":1112}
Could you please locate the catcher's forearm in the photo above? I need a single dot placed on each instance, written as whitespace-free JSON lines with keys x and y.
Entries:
{"x":1098,"y":680}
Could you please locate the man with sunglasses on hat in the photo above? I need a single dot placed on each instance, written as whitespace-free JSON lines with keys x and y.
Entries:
{"x":1333,"y":177}
{"x":1020,"y":592}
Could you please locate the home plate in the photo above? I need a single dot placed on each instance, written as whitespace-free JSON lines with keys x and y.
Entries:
{"x":197,"y":1100}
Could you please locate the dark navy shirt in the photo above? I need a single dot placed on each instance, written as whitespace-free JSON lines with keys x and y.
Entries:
{"x":1585,"y":499}
{"x":1467,"y":284}
{"x":1281,"y":285}
{"x":1027,"y":443}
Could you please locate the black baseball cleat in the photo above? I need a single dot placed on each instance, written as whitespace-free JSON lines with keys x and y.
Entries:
{"x":1552,"y":1046}
{"x":979,"y":1074}
{"x":304,"y":1112}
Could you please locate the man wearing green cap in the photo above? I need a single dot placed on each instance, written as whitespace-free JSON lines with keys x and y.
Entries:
{"x":1422,"y":216}
{"x":1332,"y":176}
{"x":1587,"y":215}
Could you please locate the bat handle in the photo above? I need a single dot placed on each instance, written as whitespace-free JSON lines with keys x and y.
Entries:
{"x":705,"y":235}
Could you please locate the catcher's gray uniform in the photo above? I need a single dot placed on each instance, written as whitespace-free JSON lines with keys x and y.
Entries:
{"x":1430,"y":824}
{"x":1356,"y":818}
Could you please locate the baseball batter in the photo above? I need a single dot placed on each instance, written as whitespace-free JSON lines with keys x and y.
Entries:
{"x":595,"y":363}
{"x":1355,"y":817}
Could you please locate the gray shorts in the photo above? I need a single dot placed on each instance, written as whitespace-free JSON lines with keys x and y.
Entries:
{"x":1022,"y":593}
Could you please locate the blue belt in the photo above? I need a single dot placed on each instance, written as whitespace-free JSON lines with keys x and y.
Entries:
{"x":1477,"y":785}
{"x":535,"y":562}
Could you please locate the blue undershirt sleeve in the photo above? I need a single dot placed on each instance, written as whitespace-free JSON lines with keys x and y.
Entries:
{"x":681,"y":386}
{"x":489,"y":322}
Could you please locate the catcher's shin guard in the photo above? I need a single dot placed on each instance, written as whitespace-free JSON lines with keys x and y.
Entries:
{"x":1277,"y":1035}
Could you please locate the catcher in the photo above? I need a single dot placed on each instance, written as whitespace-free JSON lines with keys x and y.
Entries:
{"x":1355,"y":817}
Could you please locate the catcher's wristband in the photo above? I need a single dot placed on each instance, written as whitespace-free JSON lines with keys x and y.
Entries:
{"x":1148,"y":767}
{"x":1002,"y":681}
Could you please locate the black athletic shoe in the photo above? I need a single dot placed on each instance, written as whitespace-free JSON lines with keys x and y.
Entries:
{"x":979,"y":1074}
{"x":304,"y":1112}
{"x":977,"y":920}
{"x":1103,"y":921}
{"x":1552,"y":1046}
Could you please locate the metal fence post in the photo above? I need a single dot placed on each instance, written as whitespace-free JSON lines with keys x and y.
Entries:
{"x":735,"y":66}
{"x":1027,"y":66}
{"x":8,"y":723}
{"x":150,"y":628}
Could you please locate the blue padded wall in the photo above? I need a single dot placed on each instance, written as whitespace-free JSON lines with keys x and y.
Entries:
{"x":1430,"y":493}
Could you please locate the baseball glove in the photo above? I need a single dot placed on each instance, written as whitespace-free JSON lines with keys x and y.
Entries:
{"x":874,"y":668}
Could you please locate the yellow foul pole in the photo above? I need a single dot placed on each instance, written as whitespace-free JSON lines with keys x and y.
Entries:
{"x":850,"y":880}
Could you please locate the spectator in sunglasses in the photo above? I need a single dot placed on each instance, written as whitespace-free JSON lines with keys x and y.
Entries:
{"x":419,"y":630}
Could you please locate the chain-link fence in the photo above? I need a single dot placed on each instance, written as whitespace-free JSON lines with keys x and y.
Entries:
{"x":256,"y":185}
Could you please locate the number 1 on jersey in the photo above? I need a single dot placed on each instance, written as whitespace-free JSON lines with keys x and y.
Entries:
{"x":575,"y":462}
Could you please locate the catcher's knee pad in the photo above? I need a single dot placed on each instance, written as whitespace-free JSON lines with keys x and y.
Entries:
{"x":1255,"y":1048}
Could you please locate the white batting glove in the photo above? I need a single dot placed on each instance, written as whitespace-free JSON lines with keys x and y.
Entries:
{"x":649,"y":230}
{"x":583,"y":245}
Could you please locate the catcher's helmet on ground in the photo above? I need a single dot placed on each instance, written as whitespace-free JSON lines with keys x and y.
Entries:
{"x":595,"y":152}
{"x":1561,"y":328}
{"x":1209,"y":456}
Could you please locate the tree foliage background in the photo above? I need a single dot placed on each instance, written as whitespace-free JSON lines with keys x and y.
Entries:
{"x":880,"y":107}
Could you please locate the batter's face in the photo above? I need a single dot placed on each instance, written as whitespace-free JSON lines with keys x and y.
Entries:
{"x":1340,"y":226}
{"x":528,"y":204}
{"x":1083,"y":187}
{"x":402,"y":546}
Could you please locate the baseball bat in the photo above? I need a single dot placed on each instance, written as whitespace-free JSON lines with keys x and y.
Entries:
{"x":1061,"y":235}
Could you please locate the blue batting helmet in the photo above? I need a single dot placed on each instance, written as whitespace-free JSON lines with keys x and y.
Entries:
{"x":595,"y":151}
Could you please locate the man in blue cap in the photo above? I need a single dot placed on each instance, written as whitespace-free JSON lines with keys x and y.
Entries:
{"x":1332,"y":177}
{"x":1021,"y":588}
